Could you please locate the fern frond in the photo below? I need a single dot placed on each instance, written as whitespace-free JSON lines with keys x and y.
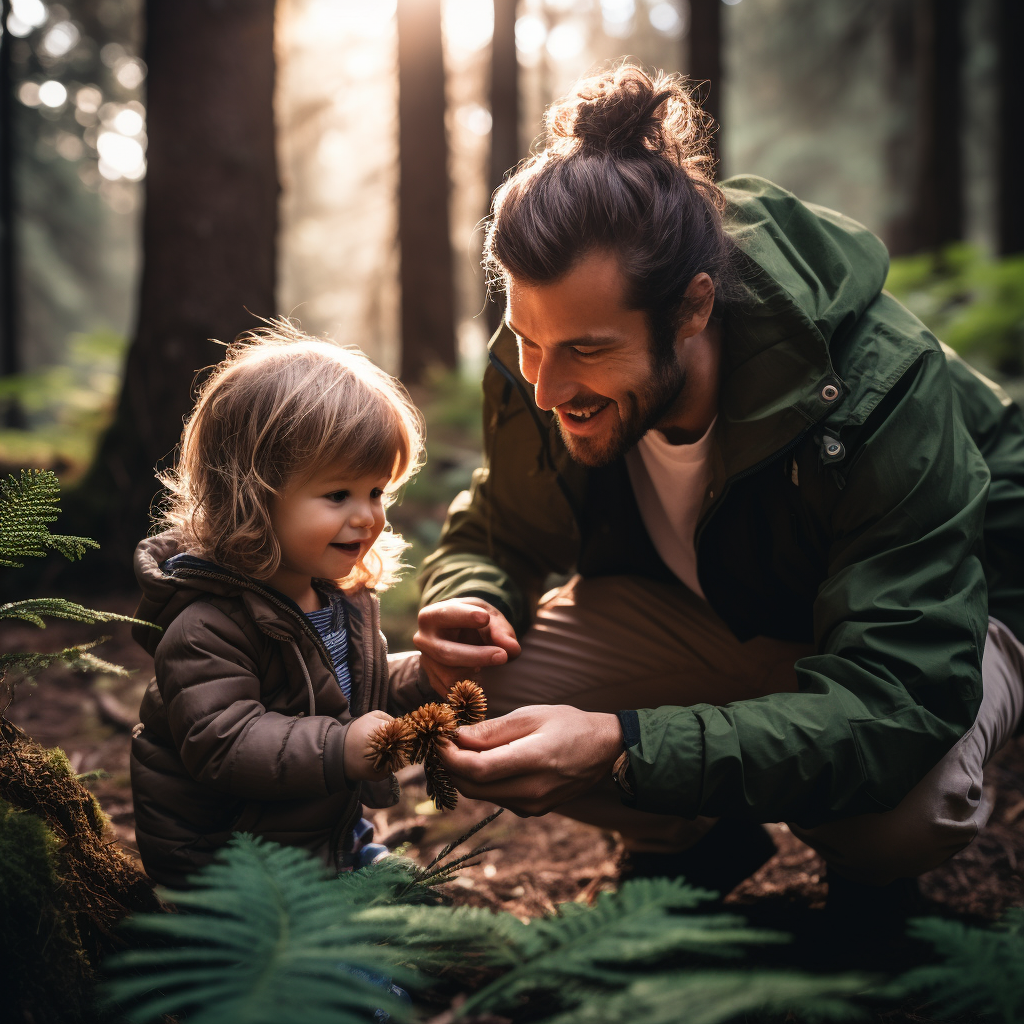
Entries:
{"x":982,"y":968}
{"x":710,"y":997}
{"x":34,"y":609}
{"x":77,"y":658}
{"x":27,"y":503}
{"x":588,"y":947}
{"x":265,"y":939}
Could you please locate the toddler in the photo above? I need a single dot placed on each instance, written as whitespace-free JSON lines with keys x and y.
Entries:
{"x":271,"y":671}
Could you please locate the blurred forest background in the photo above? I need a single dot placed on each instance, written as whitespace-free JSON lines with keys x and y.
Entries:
{"x":173,"y":171}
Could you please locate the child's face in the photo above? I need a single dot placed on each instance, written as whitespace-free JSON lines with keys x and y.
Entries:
{"x":325,"y":525}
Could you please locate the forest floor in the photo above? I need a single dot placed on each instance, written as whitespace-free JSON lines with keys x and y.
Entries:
{"x":535,"y":863}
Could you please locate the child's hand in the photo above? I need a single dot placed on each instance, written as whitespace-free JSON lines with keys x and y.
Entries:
{"x":358,"y":767}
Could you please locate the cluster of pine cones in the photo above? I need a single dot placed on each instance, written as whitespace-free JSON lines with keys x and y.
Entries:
{"x":413,"y":739}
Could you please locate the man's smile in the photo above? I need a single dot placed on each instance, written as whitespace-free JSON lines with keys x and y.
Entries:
{"x":581,"y":419}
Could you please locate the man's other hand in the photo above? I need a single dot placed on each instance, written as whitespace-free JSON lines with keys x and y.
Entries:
{"x":534,"y":758}
{"x":458,"y":637}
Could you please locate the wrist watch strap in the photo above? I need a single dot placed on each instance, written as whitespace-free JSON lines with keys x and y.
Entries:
{"x":620,"y":773}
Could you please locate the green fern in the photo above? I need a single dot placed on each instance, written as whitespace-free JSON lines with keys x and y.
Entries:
{"x":27,"y":503}
{"x":34,"y":609}
{"x":982,"y":968}
{"x":265,"y":940}
{"x":264,"y":935}
{"x":709,"y":997}
{"x":582,"y":949}
{"x":78,"y":658}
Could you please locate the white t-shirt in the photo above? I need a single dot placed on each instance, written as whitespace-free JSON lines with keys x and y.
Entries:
{"x":669,"y":481}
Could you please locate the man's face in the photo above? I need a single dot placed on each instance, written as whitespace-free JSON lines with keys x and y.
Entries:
{"x":589,"y":358}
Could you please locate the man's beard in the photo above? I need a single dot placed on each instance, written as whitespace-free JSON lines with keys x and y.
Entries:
{"x":642,"y":410}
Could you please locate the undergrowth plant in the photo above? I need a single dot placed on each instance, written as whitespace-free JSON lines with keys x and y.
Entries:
{"x":28,"y":502}
{"x":267,"y":938}
{"x":981,"y":970}
{"x":64,"y":882}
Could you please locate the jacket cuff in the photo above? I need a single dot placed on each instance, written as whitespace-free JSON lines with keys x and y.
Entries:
{"x":666,"y":759}
{"x":334,"y":758}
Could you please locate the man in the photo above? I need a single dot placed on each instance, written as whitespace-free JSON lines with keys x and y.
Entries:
{"x":787,"y":514}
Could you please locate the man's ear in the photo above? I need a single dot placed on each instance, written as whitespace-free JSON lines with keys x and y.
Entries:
{"x":698,"y":300}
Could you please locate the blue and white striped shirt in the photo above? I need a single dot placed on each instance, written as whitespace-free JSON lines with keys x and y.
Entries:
{"x":333,"y":631}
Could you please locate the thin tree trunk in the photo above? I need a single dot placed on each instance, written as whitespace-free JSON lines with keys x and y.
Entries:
{"x":10,"y":361}
{"x":428,"y":293}
{"x":1011,"y":127}
{"x":704,"y":64}
{"x":209,"y":246}
{"x":927,"y":55}
{"x":504,"y":112}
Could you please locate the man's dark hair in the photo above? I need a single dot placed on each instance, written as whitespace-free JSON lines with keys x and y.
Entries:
{"x":626,"y":167}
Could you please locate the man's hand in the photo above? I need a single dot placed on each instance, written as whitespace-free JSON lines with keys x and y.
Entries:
{"x":534,"y":758}
{"x":358,"y":767}
{"x":458,"y":637}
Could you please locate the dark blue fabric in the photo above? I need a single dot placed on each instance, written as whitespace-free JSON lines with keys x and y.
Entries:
{"x":329,"y":622}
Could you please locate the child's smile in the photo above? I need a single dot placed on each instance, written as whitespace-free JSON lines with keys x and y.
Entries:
{"x":324,"y":526}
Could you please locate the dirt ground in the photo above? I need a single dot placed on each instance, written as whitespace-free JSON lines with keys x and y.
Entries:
{"x":536,"y":863}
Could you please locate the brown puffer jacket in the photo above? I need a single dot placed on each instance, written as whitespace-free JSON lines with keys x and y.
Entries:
{"x":244,"y":724}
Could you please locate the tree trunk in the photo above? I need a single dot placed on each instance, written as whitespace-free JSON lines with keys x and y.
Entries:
{"x":209,"y":246}
{"x":1010,"y":128}
{"x":428,"y":293}
{"x":10,"y":362}
{"x":704,"y":64}
{"x":504,"y":113}
{"x":926,"y":54}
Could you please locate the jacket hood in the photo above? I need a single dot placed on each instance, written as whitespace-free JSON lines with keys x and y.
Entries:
{"x":168,"y":589}
{"x":808,"y":275}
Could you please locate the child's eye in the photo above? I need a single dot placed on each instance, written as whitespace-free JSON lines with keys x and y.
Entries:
{"x":337,"y":496}
{"x":377,"y":493}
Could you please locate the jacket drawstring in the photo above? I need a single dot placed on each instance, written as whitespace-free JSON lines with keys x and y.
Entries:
{"x":305,"y":672}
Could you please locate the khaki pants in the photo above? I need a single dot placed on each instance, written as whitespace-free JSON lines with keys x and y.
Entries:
{"x":618,"y":643}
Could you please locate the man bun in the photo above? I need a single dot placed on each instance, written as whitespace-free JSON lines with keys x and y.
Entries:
{"x":626,"y":168}
{"x":629,"y":113}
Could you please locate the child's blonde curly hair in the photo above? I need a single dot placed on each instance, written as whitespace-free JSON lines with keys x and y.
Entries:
{"x":278,"y":406}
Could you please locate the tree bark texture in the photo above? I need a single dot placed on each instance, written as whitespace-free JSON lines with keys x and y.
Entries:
{"x":428,"y":293}
{"x":1011,"y":127}
{"x":10,"y":362}
{"x":926,"y":54}
{"x":208,"y":241}
{"x":704,"y":64}
{"x":504,"y":114}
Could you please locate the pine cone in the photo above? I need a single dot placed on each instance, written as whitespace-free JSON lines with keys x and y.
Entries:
{"x":440,"y":787}
{"x":468,"y":702}
{"x":430,"y":724}
{"x":391,"y":745}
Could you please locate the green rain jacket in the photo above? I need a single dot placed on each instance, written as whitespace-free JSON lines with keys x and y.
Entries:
{"x":867,"y":498}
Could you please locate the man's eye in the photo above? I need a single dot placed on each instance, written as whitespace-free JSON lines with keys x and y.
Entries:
{"x":337,"y":496}
{"x":586,"y":352}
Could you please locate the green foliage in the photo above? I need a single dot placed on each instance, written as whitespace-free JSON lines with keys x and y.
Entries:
{"x":264,"y":940}
{"x":33,"y":929}
{"x":710,"y":997}
{"x":77,"y":658}
{"x":974,"y":304}
{"x":27,"y":503}
{"x":58,"y":608}
{"x":265,"y":932}
{"x":982,"y":969}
